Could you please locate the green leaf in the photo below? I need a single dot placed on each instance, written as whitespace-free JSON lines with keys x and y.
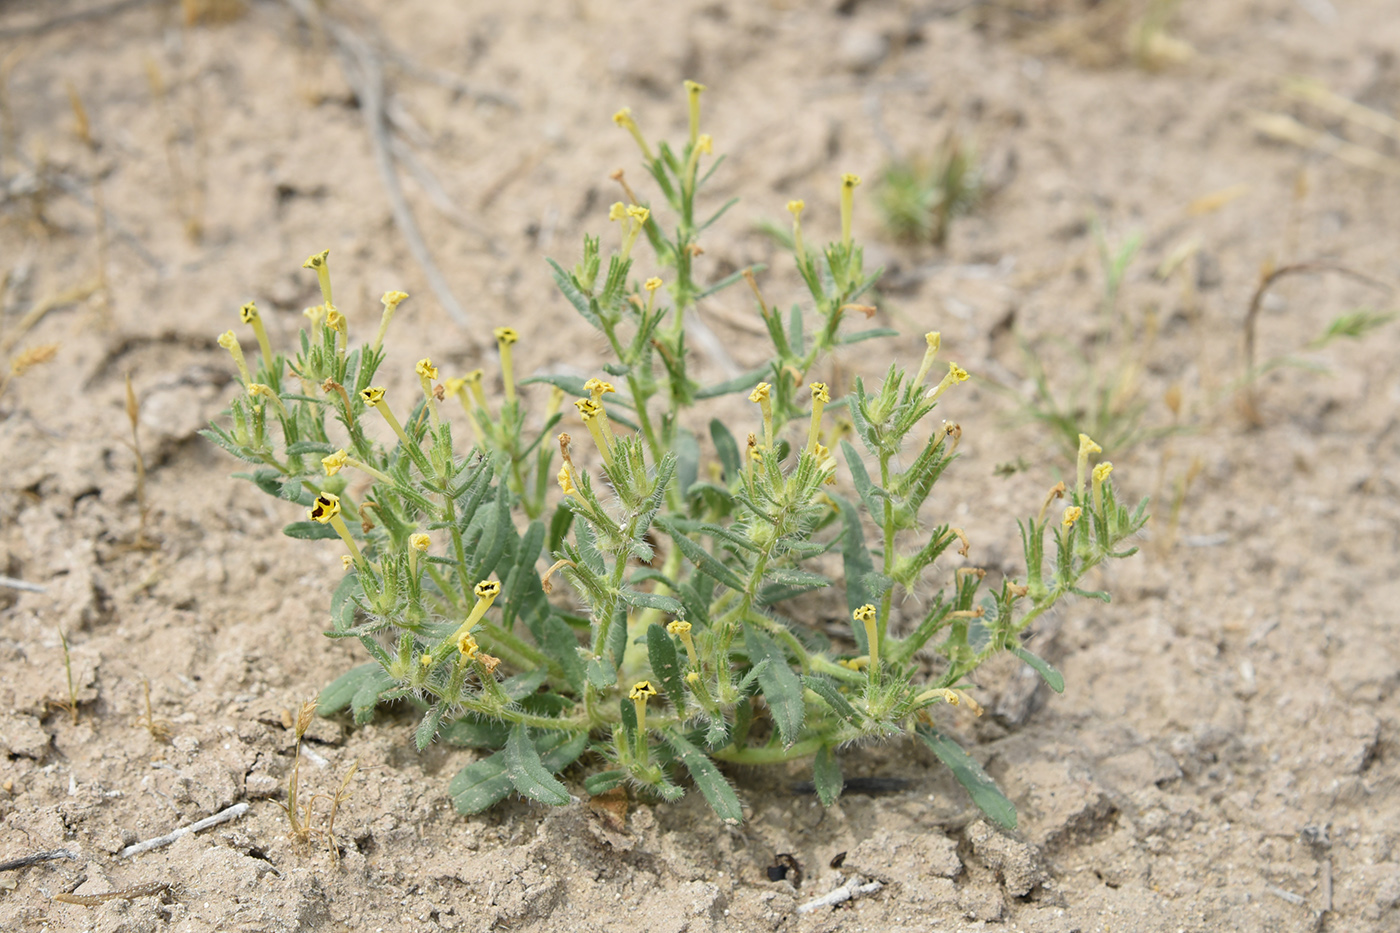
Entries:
{"x":603,"y":781}
{"x":337,"y":694}
{"x":871,"y":334}
{"x":781,"y":687}
{"x":574,"y":386}
{"x":667,"y":604}
{"x":738,"y":384}
{"x":712,"y":784}
{"x":857,"y":563}
{"x":428,"y":728}
{"x":483,"y":783}
{"x":826,"y":775}
{"x":868,"y":491}
{"x":828,"y":691}
{"x":559,"y":527}
{"x":560,"y":644}
{"x":309,"y":531}
{"x":582,"y":303}
{"x":527,"y":773}
{"x":665,"y":665}
{"x":985,"y":793}
{"x":600,"y":673}
{"x":687,"y":451}
{"x":727,"y":449}
{"x":700,"y":557}
{"x":1052,"y":677}
{"x":472,"y":733}
{"x":367,"y":696}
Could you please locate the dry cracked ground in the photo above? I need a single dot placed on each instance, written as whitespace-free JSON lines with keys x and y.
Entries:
{"x":1224,"y":755}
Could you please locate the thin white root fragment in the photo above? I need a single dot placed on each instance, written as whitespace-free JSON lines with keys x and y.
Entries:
{"x":223,"y":816}
{"x":848,"y":891}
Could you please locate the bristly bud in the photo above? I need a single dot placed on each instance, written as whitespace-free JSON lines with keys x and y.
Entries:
{"x":1087,"y":447}
{"x":934,"y":339}
{"x":623,"y":118}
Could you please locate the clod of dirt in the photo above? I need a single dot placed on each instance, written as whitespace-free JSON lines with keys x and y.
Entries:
{"x":1016,"y":863}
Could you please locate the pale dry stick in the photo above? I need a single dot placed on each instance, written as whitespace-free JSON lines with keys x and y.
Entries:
{"x":364,"y":73}
{"x":154,"y":889}
{"x":24,"y":861}
{"x":223,"y":816}
{"x":1251,"y":316}
{"x":848,"y":891}
{"x":25,"y":585}
{"x":68,"y":19}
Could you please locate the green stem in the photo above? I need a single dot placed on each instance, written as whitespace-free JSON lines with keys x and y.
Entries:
{"x":770,"y":754}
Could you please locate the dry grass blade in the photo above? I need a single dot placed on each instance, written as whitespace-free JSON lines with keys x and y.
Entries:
{"x":1314,"y":93}
{"x":1284,"y":128}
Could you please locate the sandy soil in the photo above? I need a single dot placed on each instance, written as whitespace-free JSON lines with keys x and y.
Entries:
{"x":1224,"y":756}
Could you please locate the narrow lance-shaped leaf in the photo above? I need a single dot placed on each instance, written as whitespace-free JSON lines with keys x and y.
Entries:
{"x":526,"y":772}
{"x":712,"y":784}
{"x":665,"y":665}
{"x":826,"y":775}
{"x":984,"y":791}
{"x":781,"y":687}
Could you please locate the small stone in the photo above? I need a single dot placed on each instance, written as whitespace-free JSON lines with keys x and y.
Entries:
{"x":861,"y":50}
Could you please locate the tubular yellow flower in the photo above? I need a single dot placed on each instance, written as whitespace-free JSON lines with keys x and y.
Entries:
{"x":1087,"y":447}
{"x":505,"y":339}
{"x":336,"y":322}
{"x":458,"y":387}
{"x":427,"y":372}
{"x":566,"y":482}
{"x":623,"y":118}
{"x":250,"y":316}
{"x":1072,"y":515}
{"x":258,"y":390}
{"x":762,"y":395}
{"x":636,"y":220}
{"x":595,"y":419}
{"x":704,"y":144}
{"x":467,"y":646}
{"x":955,"y":375}
{"x":868,"y":617}
{"x":374,"y":395}
{"x":321,"y":264}
{"x":642,"y":691}
{"x":391,"y":302}
{"x":556,"y":400}
{"x":799,"y":250}
{"x":326,"y":510}
{"x":315,"y":314}
{"x":1100,"y":474}
{"x":681,"y":629}
{"x":848,"y":200}
{"x":229,"y":341}
{"x":474,"y":380}
{"x":618,"y":211}
{"x":334,"y":463}
{"x":934,"y":339}
{"x":693,"y":90}
{"x":597,"y":388}
{"x":486,"y":592}
{"x":820,"y":396}
{"x":420,"y":542}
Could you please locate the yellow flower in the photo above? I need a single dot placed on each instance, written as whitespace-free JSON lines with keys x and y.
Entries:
{"x":678,"y":627}
{"x":426,"y":369}
{"x":692,"y":90}
{"x":796,"y":207}
{"x":597,"y":388}
{"x":955,"y":375}
{"x":454,"y":386}
{"x":392,"y":300}
{"x":318,"y":261}
{"x":934,"y":339}
{"x":347,"y":561}
{"x":820,"y":396}
{"x":760,"y":393}
{"x":248,"y":313}
{"x":864,"y":613}
{"x":1102,"y":470}
{"x":618,"y":211}
{"x":487,"y":589}
{"x":705,"y":143}
{"x":566,"y":482}
{"x":372,"y":395}
{"x":652,"y":284}
{"x":867,"y":616}
{"x":326,"y":508}
{"x":641,"y":690}
{"x":505,"y":336}
{"x":1087,"y":448}
{"x":229,"y":341}
{"x":848,"y":200}
{"x":588,"y":408}
{"x":1072,"y":514}
{"x":820,"y":392}
{"x":638,"y":214}
{"x":419,"y":541}
{"x":335,"y":462}
{"x":321,"y":264}
{"x":623,"y":118}
{"x":467,"y":645}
